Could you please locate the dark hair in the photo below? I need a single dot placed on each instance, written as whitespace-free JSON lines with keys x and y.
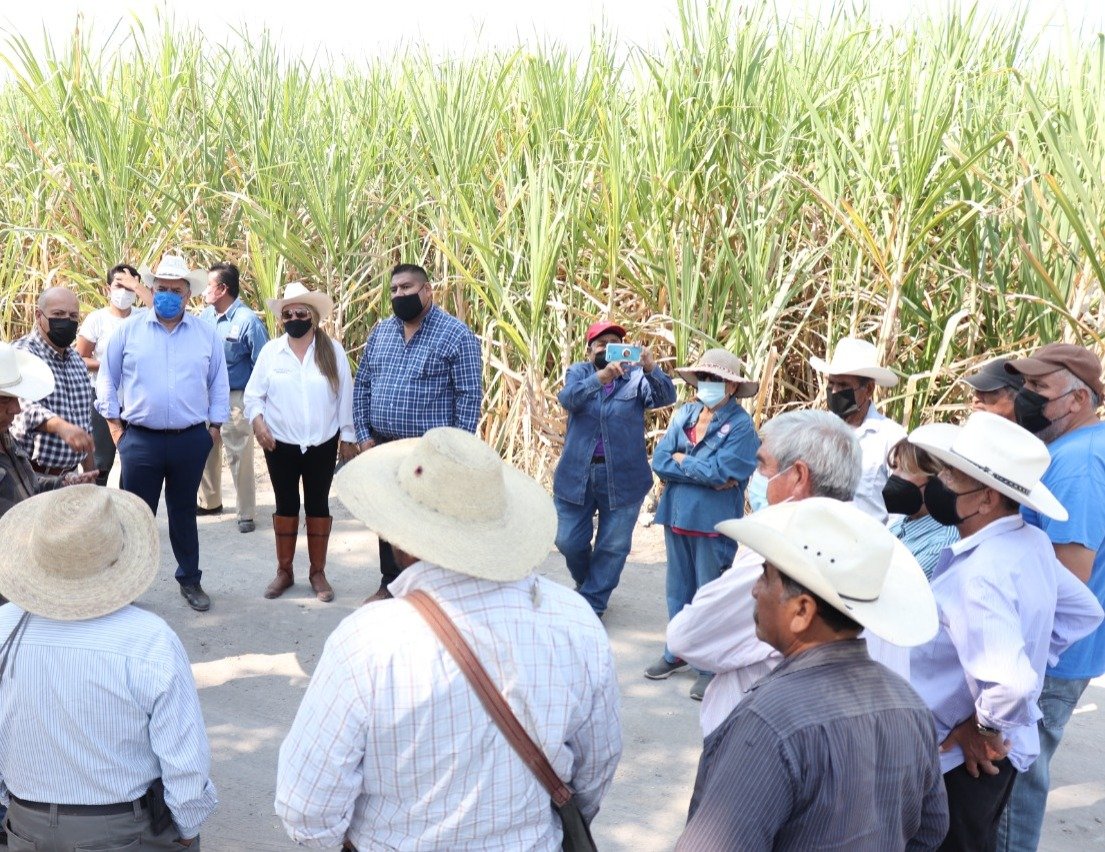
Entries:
{"x":227,"y":274}
{"x":834,"y":619}
{"x":413,"y":268}
{"x":120,"y":267}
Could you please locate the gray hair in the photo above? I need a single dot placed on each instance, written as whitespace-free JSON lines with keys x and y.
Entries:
{"x":1074,"y":383}
{"x":825,"y":443}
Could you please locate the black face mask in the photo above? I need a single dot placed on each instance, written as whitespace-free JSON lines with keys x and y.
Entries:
{"x":1028,"y":409}
{"x":407,"y":307}
{"x":600,"y":360}
{"x":62,"y":331}
{"x":941,"y":503}
{"x":842,"y":403}
{"x":297,"y":328}
{"x":902,"y":497}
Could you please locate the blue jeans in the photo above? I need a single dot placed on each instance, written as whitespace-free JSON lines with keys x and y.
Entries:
{"x":693,"y":561}
{"x":597,"y":569}
{"x":1023,"y":820}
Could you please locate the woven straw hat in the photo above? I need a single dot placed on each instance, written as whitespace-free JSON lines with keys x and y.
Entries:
{"x":855,"y":357}
{"x":78,"y":552}
{"x":297,"y":293}
{"x":449,"y":499}
{"x":23,"y":374}
{"x":723,"y":364}
{"x":173,"y":267}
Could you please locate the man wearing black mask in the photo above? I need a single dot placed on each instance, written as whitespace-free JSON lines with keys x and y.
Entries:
{"x":56,"y":432}
{"x":420,"y":369}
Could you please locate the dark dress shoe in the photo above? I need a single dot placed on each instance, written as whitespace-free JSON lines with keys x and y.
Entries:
{"x":214,"y":510}
{"x":196,"y":597}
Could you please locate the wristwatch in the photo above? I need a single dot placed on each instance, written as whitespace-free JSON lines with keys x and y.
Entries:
{"x":987,"y":731}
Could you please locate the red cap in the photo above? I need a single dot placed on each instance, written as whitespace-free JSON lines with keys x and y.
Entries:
{"x":597,"y":329}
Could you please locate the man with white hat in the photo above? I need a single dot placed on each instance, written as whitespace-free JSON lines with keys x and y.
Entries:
{"x":1006,"y":605}
{"x":852,"y":375}
{"x":102,"y":743}
{"x":164,"y":392}
{"x":391,"y":747}
{"x":831,"y":750}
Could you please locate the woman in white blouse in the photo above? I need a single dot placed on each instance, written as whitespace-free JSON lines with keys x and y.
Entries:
{"x":300,"y":402}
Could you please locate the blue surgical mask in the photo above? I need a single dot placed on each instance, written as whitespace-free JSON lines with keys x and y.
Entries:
{"x":167,"y":304}
{"x":711,"y":393}
{"x":756,"y":492}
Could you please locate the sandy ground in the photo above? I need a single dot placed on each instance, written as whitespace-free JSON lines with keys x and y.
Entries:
{"x":252,"y":659}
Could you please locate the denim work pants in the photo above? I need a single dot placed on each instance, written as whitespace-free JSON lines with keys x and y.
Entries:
{"x":596,"y":570}
{"x":693,"y":561}
{"x":1023,"y":820}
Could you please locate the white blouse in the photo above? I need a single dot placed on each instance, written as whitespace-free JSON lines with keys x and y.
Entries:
{"x":296,"y":399}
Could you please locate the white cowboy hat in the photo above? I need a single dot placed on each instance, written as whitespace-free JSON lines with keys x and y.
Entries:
{"x":996,"y":452}
{"x":723,"y":364}
{"x":855,"y":357}
{"x":297,"y":294}
{"x":78,"y":552}
{"x":24,"y":375}
{"x":449,"y":499}
{"x":849,"y":560}
{"x":173,"y":267}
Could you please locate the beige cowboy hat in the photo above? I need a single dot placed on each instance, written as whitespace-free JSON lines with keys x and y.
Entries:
{"x":78,"y":552}
{"x":855,"y":357}
{"x":849,"y":560}
{"x":723,"y":364}
{"x":24,"y":375}
{"x":173,"y":267}
{"x":999,"y":454}
{"x":448,"y":498}
{"x":297,"y":293}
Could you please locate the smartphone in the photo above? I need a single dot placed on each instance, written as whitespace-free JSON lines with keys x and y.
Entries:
{"x":622,"y":352}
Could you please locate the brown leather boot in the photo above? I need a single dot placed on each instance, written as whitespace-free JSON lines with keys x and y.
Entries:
{"x":286,"y":528}
{"x":318,"y":538}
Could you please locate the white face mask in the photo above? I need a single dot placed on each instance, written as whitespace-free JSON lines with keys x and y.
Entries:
{"x":122,"y":299}
{"x":756,"y":492}
{"x":711,"y":393}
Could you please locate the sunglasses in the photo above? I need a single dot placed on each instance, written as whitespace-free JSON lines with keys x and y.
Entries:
{"x":300,"y":315}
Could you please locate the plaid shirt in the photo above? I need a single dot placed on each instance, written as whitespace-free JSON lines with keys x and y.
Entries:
{"x":404,"y":388}
{"x":71,"y":401}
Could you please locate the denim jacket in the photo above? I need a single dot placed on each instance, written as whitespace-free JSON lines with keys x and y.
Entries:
{"x":728,"y":451}
{"x":620,"y":420}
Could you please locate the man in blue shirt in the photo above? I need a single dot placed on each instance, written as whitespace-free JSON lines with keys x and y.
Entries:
{"x":164,"y":393}
{"x":1059,"y":401}
{"x":243,"y":334}
{"x":420,"y":369}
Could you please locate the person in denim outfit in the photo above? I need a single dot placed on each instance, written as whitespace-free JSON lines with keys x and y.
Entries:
{"x":604,"y":468}
{"x":704,"y":460}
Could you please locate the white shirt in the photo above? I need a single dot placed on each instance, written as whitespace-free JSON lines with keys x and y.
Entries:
{"x":392,"y":749}
{"x":296,"y":399}
{"x":97,"y":329}
{"x":877,"y":434}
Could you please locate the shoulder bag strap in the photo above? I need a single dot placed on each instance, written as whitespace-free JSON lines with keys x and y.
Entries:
{"x":489,"y":696}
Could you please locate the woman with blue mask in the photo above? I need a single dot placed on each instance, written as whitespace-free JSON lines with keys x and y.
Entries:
{"x":704,"y":460}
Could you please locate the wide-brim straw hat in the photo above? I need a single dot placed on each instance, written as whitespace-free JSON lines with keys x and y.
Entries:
{"x":448,"y":498}
{"x":297,"y":293}
{"x":78,"y":552}
{"x":849,"y":560}
{"x":996,"y":452}
{"x":723,"y":364}
{"x":174,"y":267}
{"x":24,"y":375}
{"x":855,"y":357}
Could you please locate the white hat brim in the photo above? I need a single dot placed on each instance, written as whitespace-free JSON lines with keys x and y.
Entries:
{"x":904,"y":614}
{"x":315,"y":298}
{"x":937,"y":439}
{"x":26,"y":583}
{"x":883,"y":377}
{"x":505,"y":549}
{"x":196,"y":278}
{"x":36,"y":379}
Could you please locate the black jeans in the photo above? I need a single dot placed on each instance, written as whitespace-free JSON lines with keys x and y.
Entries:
{"x":975,"y":806}
{"x":288,"y":465}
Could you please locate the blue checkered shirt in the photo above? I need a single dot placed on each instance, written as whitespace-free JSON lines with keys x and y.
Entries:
{"x":404,"y":388}
{"x":71,"y":400}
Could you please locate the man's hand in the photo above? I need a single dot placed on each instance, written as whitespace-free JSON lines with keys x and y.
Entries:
{"x":216,"y":435}
{"x":647,"y":361}
{"x":347,"y":450}
{"x":979,"y":752}
{"x":74,"y":436}
{"x":115,"y":427}
{"x":74,"y":478}
{"x":367,"y":444}
{"x":610,"y":372}
{"x":678,"y":457}
{"x":262,"y":434}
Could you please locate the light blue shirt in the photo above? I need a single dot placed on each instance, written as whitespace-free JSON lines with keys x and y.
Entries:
{"x":925,"y":538}
{"x":1006,"y":606}
{"x":94,"y":711}
{"x":243,"y":335}
{"x":164,"y":379}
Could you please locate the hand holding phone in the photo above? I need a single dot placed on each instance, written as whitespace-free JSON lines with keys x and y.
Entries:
{"x":619,"y":352}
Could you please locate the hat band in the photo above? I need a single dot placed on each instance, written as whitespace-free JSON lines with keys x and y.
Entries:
{"x":14,"y":381}
{"x":1008,"y":483}
{"x":859,"y":599}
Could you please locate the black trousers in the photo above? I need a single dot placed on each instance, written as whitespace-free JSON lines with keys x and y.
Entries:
{"x":975,"y":806}
{"x":287,"y":466}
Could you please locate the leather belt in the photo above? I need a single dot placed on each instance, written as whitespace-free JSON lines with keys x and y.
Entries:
{"x":142,"y":428}
{"x":50,"y":471}
{"x":80,"y":810}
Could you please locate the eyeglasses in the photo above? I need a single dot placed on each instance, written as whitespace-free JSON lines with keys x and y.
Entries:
{"x":706,"y":377}
{"x":300,"y":315}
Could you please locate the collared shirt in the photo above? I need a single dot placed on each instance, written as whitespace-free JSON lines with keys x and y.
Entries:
{"x":93,"y":711}
{"x":243,"y":335}
{"x":18,"y":480}
{"x":392,"y":748}
{"x":405,"y":388}
{"x":829,"y":751}
{"x":877,"y":434}
{"x":925,"y":538}
{"x":164,"y":379}
{"x":97,"y":329}
{"x":299,"y":405}
{"x":1006,"y":605}
{"x":71,"y":400}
